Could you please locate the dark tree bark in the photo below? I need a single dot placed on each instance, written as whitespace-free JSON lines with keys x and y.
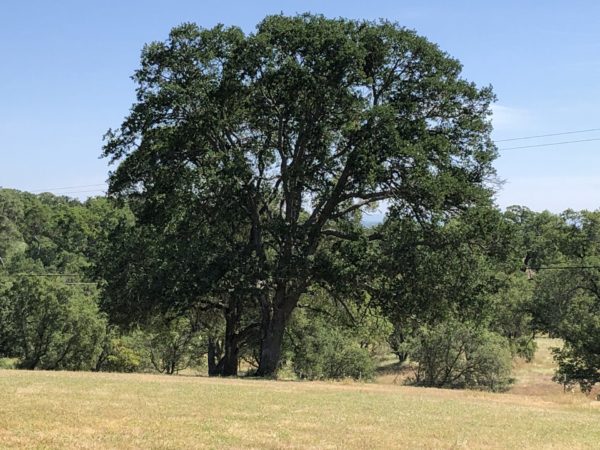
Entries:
{"x":214,"y":359}
{"x":232,"y":350}
{"x":223,"y":358}
{"x":273,"y":330}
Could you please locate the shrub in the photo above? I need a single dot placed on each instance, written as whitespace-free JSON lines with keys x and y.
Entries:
{"x":577,"y":367}
{"x":457,"y":355}
{"x":8,"y":363}
{"x":174,"y":345}
{"x":350,"y":361}
{"x":54,"y":326}
{"x":320,"y":350}
{"x":124,"y":353}
{"x":164,"y":346}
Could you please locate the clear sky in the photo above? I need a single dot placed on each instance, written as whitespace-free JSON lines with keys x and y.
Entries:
{"x":65,"y":72}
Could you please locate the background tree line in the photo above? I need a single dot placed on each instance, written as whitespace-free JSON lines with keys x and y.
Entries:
{"x":234,"y":225}
{"x":455,"y":300}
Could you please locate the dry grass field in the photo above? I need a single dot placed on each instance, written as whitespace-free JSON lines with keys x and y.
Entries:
{"x":84,"y":410}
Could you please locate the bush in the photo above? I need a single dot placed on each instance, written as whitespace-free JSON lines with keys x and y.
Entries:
{"x":332,"y":357}
{"x":124,"y":353}
{"x":175,"y":344}
{"x":456,"y":355}
{"x":350,"y":361}
{"x":54,"y":326}
{"x":321,"y":350}
{"x":8,"y":363}
{"x":577,"y":367}
{"x":164,"y":346}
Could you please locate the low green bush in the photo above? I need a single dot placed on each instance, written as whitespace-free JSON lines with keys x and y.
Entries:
{"x":8,"y":363}
{"x":124,"y":353}
{"x":320,"y":350}
{"x":51,"y":325}
{"x":460,"y":355}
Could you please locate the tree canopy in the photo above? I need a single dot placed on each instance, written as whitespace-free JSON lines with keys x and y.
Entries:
{"x":291,"y":132}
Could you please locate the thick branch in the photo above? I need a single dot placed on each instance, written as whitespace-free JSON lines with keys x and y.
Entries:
{"x":369,"y":199}
{"x":350,"y":236}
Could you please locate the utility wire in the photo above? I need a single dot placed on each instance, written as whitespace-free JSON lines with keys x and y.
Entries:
{"x":547,"y":135}
{"x":77,"y":192}
{"x":67,"y":187}
{"x":548,"y":144}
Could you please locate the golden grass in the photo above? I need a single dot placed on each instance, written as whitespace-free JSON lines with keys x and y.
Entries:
{"x":535,"y":378}
{"x":84,"y":410}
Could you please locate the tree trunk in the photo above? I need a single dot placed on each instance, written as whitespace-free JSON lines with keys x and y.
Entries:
{"x":271,"y":349}
{"x":228,"y":355}
{"x":232,"y":341}
{"x":273,"y":329}
{"x":232,"y":350}
{"x":230,"y":361}
{"x":214,"y":353}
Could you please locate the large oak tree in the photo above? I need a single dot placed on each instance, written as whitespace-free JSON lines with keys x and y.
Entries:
{"x":293,"y":131}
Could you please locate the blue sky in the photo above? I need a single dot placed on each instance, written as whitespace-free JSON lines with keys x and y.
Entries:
{"x":65,"y":72}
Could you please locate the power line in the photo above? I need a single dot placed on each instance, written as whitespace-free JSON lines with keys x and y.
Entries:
{"x":547,"y":135}
{"x":78,"y":192}
{"x":67,"y":187}
{"x":548,"y":144}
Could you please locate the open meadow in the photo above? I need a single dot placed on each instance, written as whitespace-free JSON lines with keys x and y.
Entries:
{"x":100,"y":410}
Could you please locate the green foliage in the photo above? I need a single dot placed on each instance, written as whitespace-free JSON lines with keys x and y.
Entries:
{"x":351,"y":361}
{"x":577,"y":365}
{"x":125,"y":353}
{"x":539,"y":236}
{"x":56,"y":233}
{"x":567,"y":301}
{"x":511,"y":317}
{"x":320,"y":352}
{"x":11,"y":214}
{"x":458,"y":355}
{"x":287,"y":135}
{"x":175,"y":344}
{"x":54,"y":326}
{"x":325,"y":342}
{"x":164,"y":346}
{"x":47,"y":320}
{"x":6,"y":324}
{"x":430,"y":271}
{"x":8,"y":363}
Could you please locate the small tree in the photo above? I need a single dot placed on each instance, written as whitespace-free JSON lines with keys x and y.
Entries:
{"x":124,"y":352}
{"x":175,"y":344}
{"x":457,"y":355}
{"x":510,"y":315}
{"x":567,"y":300}
{"x":322,"y":350}
{"x":55,"y":326}
{"x":329,"y":342}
